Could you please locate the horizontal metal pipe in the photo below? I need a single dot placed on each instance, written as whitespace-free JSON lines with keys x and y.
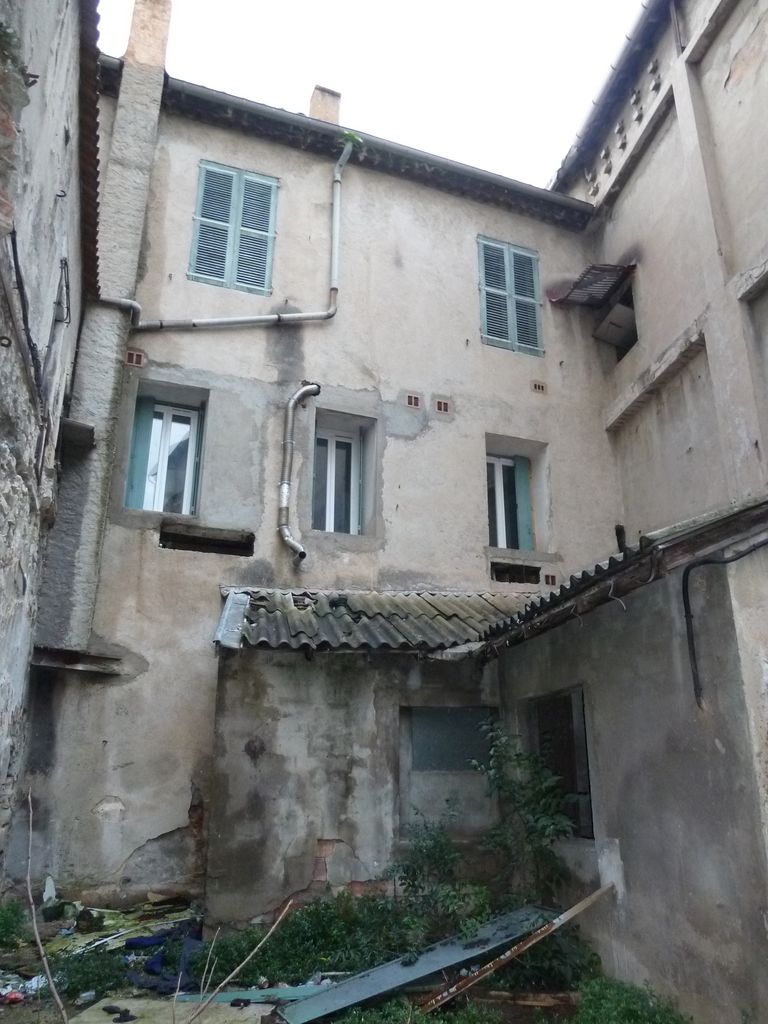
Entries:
{"x":263,"y":319}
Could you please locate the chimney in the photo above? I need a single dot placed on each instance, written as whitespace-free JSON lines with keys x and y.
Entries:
{"x":325,"y":104}
{"x":149,"y":33}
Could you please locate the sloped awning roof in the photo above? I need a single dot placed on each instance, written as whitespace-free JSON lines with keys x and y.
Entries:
{"x":594,"y":286}
{"x":360,"y":619}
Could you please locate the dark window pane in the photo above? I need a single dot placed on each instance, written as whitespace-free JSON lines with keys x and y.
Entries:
{"x":492,"y":529}
{"x":319,"y":484}
{"x":510,"y":506}
{"x":176,"y":473}
{"x":342,"y":488}
{"x":448,"y":739}
{"x":561,"y":738}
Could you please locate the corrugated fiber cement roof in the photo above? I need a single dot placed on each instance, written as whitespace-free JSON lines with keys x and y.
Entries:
{"x":361,"y":619}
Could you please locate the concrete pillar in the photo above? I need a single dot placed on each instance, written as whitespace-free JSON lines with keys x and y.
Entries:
{"x":72,"y":563}
{"x":731,"y":352}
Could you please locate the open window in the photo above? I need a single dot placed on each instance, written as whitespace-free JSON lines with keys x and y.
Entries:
{"x":605,"y":288}
{"x":164,"y":463}
{"x":510,"y":519}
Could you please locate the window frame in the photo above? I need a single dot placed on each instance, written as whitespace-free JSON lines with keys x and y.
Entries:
{"x":511,"y":295}
{"x":192,"y":467}
{"x":331,"y":435}
{"x":577,"y":804}
{"x":235,"y":228}
{"x":524,"y":523}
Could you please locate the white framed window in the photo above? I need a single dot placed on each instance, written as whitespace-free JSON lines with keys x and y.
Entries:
{"x":163,"y":467}
{"x":510,"y":516}
{"x":336,"y":481}
{"x":510,"y":297}
{"x":234,"y":232}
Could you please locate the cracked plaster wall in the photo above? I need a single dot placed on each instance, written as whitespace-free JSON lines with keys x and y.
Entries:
{"x":305,"y":786}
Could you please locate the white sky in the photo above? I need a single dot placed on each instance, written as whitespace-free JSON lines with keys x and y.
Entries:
{"x":500,"y":84}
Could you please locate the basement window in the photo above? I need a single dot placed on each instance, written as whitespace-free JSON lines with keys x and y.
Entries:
{"x":560,"y":738}
{"x":437,"y":748}
{"x":507,"y":572}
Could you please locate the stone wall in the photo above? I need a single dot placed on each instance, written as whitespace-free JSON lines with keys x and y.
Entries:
{"x":39,"y":228}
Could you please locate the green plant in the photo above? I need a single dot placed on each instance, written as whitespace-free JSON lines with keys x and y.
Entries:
{"x":98,"y":970}
{"x":400,"y":1011}
{"x":428,"y":874}
{"x":338,"y":934}
{"x":613,"y":1002}
{"x":12,"y":924}
{"x":531,"y":818}
{"x":562,"y":961}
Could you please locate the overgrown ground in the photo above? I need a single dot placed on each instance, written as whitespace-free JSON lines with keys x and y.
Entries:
{"x":434,"y":896}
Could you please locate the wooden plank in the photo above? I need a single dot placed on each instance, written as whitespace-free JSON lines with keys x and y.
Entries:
{"x":444,"y":995}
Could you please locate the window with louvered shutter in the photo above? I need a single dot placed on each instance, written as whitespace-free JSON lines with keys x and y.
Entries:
{"x":510,"y":302}
{"x":234,"y":229}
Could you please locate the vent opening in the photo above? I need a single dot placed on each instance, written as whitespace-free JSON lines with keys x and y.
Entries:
{"x":505,"y":572}
{"x":190,"y":537}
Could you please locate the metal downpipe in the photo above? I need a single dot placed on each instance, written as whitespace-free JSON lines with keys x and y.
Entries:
{"x":284,"y":492}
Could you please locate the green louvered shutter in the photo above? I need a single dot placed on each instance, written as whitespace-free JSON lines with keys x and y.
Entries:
{"x":525,"y":299}
{"x":524,"y":507}
{"x":255,"y":234}
{"x":213,"y":224}
{"x":494,"y":291}
{"x":139,"y":459}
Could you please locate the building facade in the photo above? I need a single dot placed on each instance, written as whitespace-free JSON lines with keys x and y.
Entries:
{"x":355,"y":406}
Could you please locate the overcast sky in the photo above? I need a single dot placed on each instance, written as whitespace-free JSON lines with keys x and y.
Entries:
{"x":501,"y":85}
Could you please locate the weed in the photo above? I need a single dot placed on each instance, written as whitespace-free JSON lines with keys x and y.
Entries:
{"x":339,"y":934}
{"x":13,"y":927}
{"x":99,"y":970}
{"x":613,"y":1002}
{"x":531,"y":820}
{"x":400,"y":1011}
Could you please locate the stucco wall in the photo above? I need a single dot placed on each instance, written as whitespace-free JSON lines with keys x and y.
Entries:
{"x":674,"y":794}
{"x":40,"y":180}
{"x":307,"y":765}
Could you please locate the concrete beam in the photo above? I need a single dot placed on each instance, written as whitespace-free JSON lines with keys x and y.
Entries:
{"x":655,"y":376}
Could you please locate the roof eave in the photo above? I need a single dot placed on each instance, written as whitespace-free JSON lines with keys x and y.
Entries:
{"x":650,"y":24}
{"x":310,"y":135}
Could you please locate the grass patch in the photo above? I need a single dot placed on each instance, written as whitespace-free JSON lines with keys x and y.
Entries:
{"x":613,"y":1002}
{"x":98,"y":970}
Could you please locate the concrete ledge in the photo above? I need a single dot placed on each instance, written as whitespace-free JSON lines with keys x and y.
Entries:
{"x":751,"y":283}
{"x":661,"y":370}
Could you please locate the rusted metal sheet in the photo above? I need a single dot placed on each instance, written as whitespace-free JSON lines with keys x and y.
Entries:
{"x":444,"y":995}
{"x":405,"y":971}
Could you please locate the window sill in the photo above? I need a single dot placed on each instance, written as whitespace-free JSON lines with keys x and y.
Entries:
{"x":326,"y":542}
{"x":231,"y":287}
{"x":514,"y":556}
{"x":519,"y":350}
